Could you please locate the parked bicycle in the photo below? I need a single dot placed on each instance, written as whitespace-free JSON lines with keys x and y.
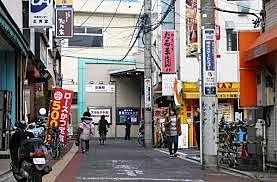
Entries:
{"x":141,"y":135}
{"x":228,"y":145}
{"x":54,"y":144}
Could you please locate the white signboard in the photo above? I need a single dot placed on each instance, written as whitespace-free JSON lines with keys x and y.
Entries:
{"x":167,"y":84}
{"x":225,"y":111}
{"x":97,"y":112}
{"x":148,"y":94}
{"x":184,"y":138}
{"x":209,"y":60}
{"x":100,"y":88}
{"x":41,"y":13}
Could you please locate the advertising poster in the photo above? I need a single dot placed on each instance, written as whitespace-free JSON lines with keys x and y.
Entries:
{"x":168,"y":84}
{"x":60,"y":111}
{"x":209,"y":59}
{"x":97,"y":112}
{"x":123,"y":113}
{"x":148,"y":94}
{"x":168,"y":51}
{"x":41,"y":13}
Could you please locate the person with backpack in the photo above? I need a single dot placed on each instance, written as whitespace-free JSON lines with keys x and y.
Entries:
{"x":102,"y":128}
{"x":85,"y":131}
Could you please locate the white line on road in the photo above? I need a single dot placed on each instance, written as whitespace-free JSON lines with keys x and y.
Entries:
{"x":139,"y":179}
{"x":180,"y":156}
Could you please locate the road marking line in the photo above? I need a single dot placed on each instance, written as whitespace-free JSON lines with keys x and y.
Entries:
{"x":180,"y":156}
{"x":140,"y":179}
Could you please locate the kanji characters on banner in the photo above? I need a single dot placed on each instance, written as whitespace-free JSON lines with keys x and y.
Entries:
{"x":60,"y":111}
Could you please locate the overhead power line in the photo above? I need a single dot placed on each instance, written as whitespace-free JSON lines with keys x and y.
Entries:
{"x":83,"y":5}
{"x":170,"y":7}
{"x":92,"y":13}
{"x":113,"y":16}
{"x":137,"y":23}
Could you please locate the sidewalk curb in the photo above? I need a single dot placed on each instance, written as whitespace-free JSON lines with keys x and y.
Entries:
{"x":222,"y":169}
{"x":238,"y":172}
{"x":59,"y":166}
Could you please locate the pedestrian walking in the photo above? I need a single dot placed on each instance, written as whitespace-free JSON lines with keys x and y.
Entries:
{"x":127,"y":128}
{"x":85,"y":131}
{"x":102,"y":129}
{"x":196,"y":124}
{"x":172,"y":131}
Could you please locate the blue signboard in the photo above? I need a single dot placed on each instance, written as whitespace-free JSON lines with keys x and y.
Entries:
{"x":209,"y":60}
{"x":123,"y":113}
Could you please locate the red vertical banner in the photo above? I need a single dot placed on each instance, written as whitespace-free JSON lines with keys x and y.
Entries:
{"x":168,"y":51}
{"x":60,"y":111}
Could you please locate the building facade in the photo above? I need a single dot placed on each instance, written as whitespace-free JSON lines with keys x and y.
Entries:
{"x":258,"y":57}
{"x":92,"y":64}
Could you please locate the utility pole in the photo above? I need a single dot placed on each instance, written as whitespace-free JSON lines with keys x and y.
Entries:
{"x":148,"y":74}
{"x":209,"y":122}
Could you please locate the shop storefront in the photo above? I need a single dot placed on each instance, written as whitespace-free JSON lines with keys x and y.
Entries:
{"x":227,"y":105}
{"x":13,"y":52}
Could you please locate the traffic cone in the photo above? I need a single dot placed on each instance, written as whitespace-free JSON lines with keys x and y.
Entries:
{"x":243,"y":152}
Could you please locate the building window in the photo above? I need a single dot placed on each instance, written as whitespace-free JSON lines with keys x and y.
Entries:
{"x":232,"y":38}
{"x":87,"y":37}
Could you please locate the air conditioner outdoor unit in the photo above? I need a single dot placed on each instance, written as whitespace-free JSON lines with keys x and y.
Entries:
{"x":265,"y":89}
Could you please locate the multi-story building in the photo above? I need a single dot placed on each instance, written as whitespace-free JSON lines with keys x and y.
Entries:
{"x":227,"y":27}
{"x":258,"y":54}
{"x":93,"y":66}
{"x":22,"y":67}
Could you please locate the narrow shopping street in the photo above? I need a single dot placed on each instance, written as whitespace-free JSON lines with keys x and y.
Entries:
{"x":121,"y":160}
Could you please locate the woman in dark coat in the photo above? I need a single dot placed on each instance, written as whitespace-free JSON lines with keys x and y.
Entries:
{"x":102,"y":128}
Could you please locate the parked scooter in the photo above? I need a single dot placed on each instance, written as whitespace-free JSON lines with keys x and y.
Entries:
{"x":38,"y":127}
{"x":27,"y":155}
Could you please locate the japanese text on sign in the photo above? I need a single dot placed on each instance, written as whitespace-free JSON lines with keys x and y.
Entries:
{"x":168,"y":51}
{"x":209,"y":58}
{"x":60,"y":111}
{"x":64,"y":23}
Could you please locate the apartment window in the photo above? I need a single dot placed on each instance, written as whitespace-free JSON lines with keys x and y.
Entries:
{"x":87,"y":37}
{"x":232,"y":38}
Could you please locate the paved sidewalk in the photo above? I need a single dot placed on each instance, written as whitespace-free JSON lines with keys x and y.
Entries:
{"x":4,"y":166}
{"x":194,"y":155}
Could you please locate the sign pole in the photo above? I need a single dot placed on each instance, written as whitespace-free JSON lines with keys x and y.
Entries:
{"x":148,"y":75}
{"x":209,"y":123}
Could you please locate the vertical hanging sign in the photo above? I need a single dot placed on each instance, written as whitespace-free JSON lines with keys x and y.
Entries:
{"x":64,"y":23}
{"x":148,"y":94}
{"x":209,"y":61}
{"x":41,"y":13}
{"x":168,"y":51}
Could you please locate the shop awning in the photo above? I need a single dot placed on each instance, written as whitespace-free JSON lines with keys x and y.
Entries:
{"x":220,"y":95}
{"x":11,"y":30}
{"x":266,"y":43}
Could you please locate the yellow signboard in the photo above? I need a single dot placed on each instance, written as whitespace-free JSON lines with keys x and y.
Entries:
{"x":64,"y":3}
{"x":220,"y":95}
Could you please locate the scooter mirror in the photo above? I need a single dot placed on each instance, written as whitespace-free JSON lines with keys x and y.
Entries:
{"x":42,"y":111}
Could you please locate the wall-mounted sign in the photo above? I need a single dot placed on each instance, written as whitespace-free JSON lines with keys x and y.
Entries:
{"x":148,"y":94}
{"x":97,"y":112}
{"x":168,"y":84}
{"x":64,"y":3}
{"x":209,"y":59}
{"x":123,"y":113}
{"x":64,"y":23}
{"x":100,"y":88}
{"x":41,"y":13}
{"x":168,"y":51}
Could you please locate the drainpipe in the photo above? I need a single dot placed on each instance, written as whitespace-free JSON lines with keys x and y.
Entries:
{"x":264,"y":146}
